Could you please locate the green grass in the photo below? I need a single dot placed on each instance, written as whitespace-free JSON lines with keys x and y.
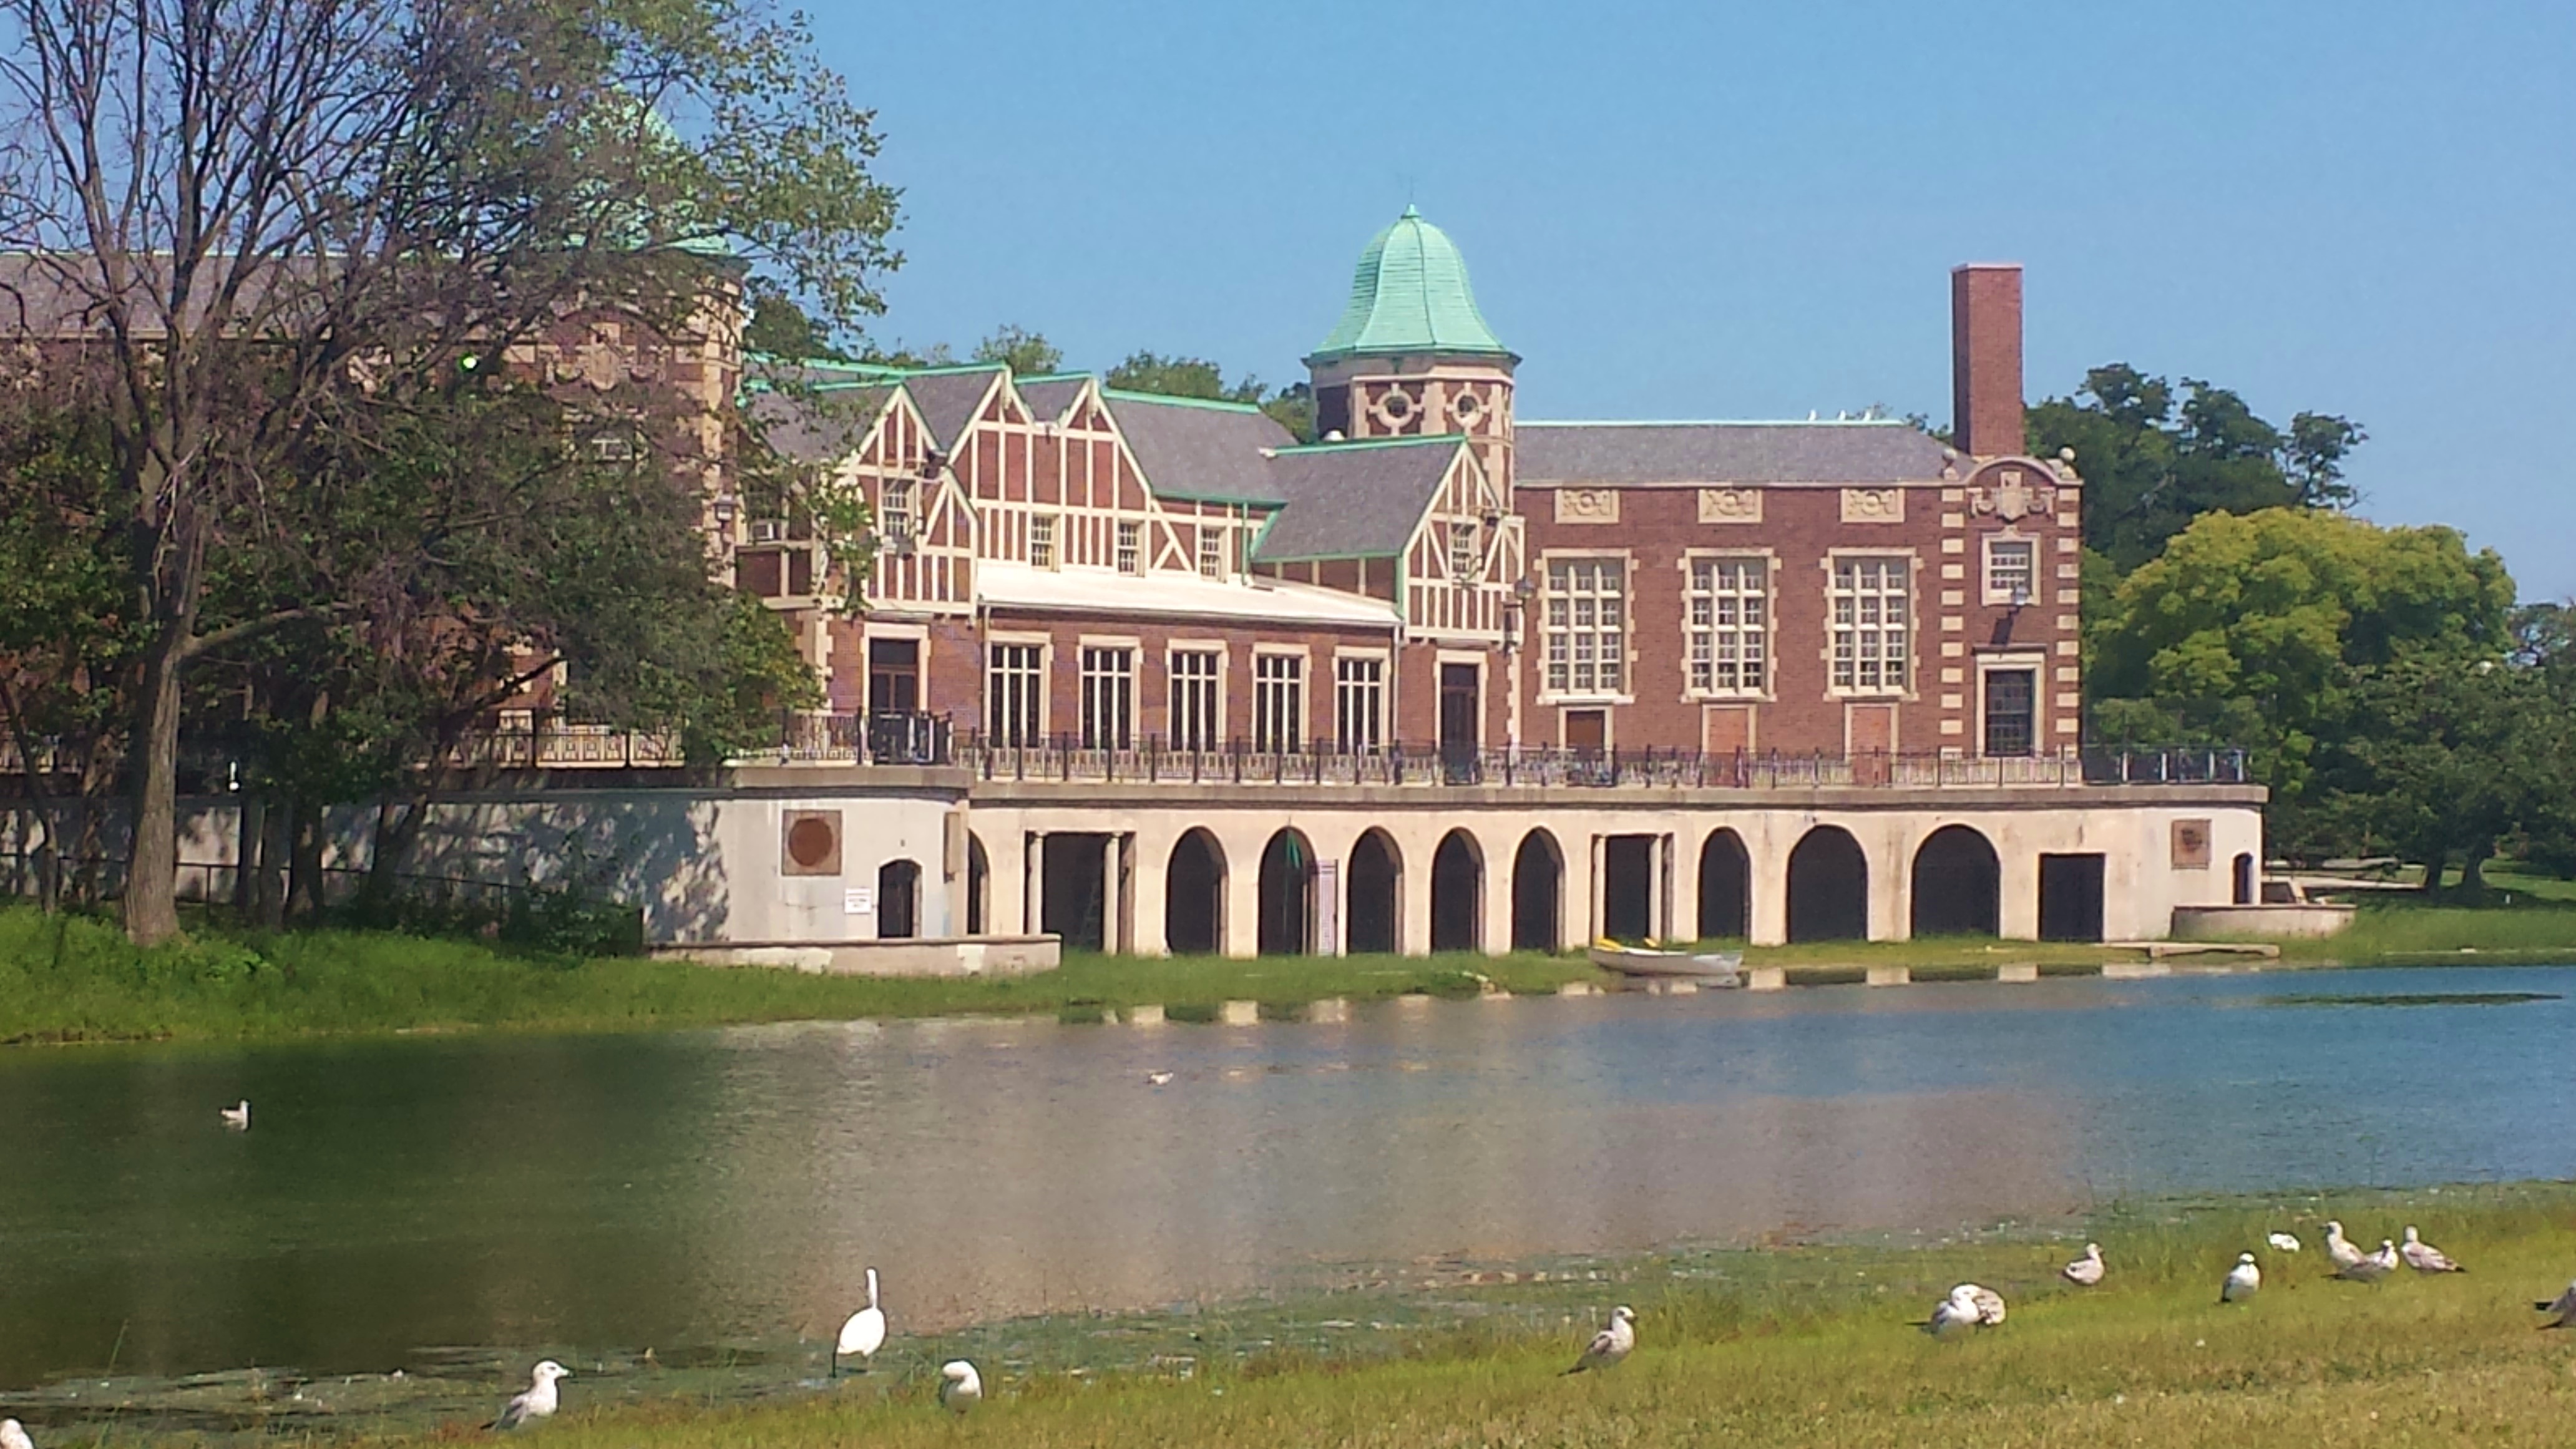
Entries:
{"x":1811,"y":1347}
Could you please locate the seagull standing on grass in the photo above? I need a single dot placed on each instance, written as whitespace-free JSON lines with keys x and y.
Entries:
{"x":2345,"y":1255}
{"x":13,"y":1435}
{"x":2284,"y":1242}
{"x":2423,"y":1257}
{"x":1611,"y":1344}
{"x":2562,"y":1311}
{"x":2371,"y":1267}
{"x":1960,"y":1314}
{"x":2243,"y":1281}
{"x":540,"y":1401}
{"x":237,"y":1116}
{"x":864,"y":1333}
{"x":960,"y":1387}
{"x":2085,"y":1272}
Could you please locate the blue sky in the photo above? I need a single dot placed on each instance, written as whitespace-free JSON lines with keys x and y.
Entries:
{"x":1735,"y":211}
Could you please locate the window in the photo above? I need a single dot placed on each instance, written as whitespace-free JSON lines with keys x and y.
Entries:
{"x":1869,"y":614}
{"x":1014,"y":688}
{"x":1278,"y":703}
{"x":894,"y":509}
{"x":1466,"y":554}
{"x":1128,"y":535}
{"x":1195,"y":723}
{"x":1211,"y":552}
{"x":1042,"y":541}
{"x":2012,"y":711}
{"x":1359,"y":705}
{"x":1108,"y":697}
{"x":2008,"y":570}
{"x":1728,"y":606}
{"x":1586,"y":628}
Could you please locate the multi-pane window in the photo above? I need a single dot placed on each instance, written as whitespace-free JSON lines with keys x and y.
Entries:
{"x":1042,"y":541}
{"x":1014,"y":688}
{"x":1359,"y":705}
{"x":2008,"y":570}
{"x":1108,"y":697}
{"x":894,"y":509}
{"x":1195,"y":723}
{"x":1278,"y":703}
{"x":1130,"y":539}
{"x":1211,"y":552}
{"x":1586,"y":625}
{"x":1466,"y":552}
{"x":1869,"y":624}
{"x":1728,"y":609}
{"x":2012,"y":711}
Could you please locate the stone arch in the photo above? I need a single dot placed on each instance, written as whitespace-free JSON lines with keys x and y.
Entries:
{"x":1373,"y":883}
{"x":1457,"y":893}
{"x":979,"y":886}
{"x":898,"y":900}
{"x":1287,"y":908}
{"x":1725,"y":887}
{"x":1538,"y":893}
{"x":1194,"y":895}
{"x":1828,"y":887}
{"x":1958,"y":884}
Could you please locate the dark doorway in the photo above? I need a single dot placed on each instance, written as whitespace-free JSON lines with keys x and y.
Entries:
{"x":2012,"y":712}
{"x":1459,"y":707}
{"x":1725,"y":888}
{"x":2070,"y":898}
{"x":894,"y":676}
{"x":1958,"y":885}
{"x":979,"y":886}
{"x":1538,"y":885}
{"x":1457,"y":894}
{"x":1628,"y":887}
{"x":1194,"y":896}
{"x":1287,"y":896}
{"x":2243,"y":894}
{"x":1075,"y":903}
{"x":898,"y":901}
{"x":1828,"y":887}
{"x":1374,"y":875}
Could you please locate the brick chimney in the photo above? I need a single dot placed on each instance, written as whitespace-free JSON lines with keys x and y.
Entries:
{"x":1985,"y":358}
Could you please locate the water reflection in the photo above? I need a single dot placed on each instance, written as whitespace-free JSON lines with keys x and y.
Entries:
{"x":693,"y":1190}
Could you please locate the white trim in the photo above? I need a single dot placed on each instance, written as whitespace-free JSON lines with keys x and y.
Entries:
{"x":1603,"y":708}
{"x":1913,"y":629}
{"x":1770,"y":689}
{"x":2035,"y":663}
{"x":1986,"y":592}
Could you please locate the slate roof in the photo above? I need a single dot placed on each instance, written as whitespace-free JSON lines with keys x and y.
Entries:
{"x":1634,"y":454}
{"x":947,"y":399}
{"x":1048,"y":397}
{"x":1194,"y":449}
{"x":1353,"y":500}
{"x":824,"y":426}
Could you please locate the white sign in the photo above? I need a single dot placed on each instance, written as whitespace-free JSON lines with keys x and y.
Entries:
{"x":859,"y":901}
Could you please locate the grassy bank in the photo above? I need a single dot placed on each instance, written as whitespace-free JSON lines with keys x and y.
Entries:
{"x":1810,"y":1346}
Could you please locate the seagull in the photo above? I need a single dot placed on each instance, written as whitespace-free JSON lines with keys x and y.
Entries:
{"x":2338,"y":1248}
{"x":2085,"y":1272}
{"x":237,"y":1117}
{"x":2372,"y":1267}
{"x":540,"y":1401}
{"x":1611,"y":1344}
{"x":960,"y":1387}
{"x":864,"y":1333}
{"x":2564,"y":1309}
{"x":1158,"y":1079}
{"x":13,"y":1435}
{"x":1990,"y":1304}
{"x":1961,"y":1313}
{"x":2423,"y":1257}
{"x":2285,"y":1242}
{"x":2242,"y":1280}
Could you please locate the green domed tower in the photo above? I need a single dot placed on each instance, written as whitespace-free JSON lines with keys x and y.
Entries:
{"x":1412,"y":356}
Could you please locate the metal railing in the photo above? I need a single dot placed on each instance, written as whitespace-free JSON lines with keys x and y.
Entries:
{"x":569,"y":747}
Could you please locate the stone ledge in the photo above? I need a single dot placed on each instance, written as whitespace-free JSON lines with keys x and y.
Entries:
{"x":954,"y":956}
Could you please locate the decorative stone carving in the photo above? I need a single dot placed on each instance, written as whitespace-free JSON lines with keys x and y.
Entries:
{"x":2191,"y":845}
{"x":1873,"y":505}
{"x":1587,"y":505}
{"x":2014,"y":494}
{"x":1730,"y":505}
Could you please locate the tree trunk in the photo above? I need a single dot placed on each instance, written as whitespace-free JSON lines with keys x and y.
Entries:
{"x":152,"y":847}
{"x":251,"y":835}
{"x":270,"y":904}
{"x":305,"y":895}
{"x":2473,"y":880}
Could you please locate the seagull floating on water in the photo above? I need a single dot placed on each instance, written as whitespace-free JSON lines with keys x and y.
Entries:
{"x":864,"y":1332}
{"x":1158,"y":1079}
{"x":237,"y":1116}
{"x":540,"y":1401}
{"x":960,"y":1387}
{"x":2285,"y":1242}
{"x":2423,"y":1257}
{"x":2340,"y":1249}
{"x":2562,"y":1309}
{"x":1611,"y":1344}
{"x":2243,"y":1280}
{"x":2085,"y":1272}
{"x":13,"y":1435}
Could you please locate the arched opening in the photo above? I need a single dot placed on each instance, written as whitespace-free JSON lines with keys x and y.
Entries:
{"x":1287,"y":895}
{"x":1457,"y":894}
{"x":1073,"y":904}
{"x":1374,"y":877}
{"x":898,"y":901}
{"x":979,"y":886}
{"x":1725,"y":888}
{"x":1538,"y":887}
{"x":1958,"y":885}
{"x":1628,"y":888}
{"x":1194,"y":896}
{"x":1828,"y":887}
{"x":2243,"y":893}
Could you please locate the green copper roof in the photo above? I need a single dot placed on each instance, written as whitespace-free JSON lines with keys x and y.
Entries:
{"x":1410,"y":295}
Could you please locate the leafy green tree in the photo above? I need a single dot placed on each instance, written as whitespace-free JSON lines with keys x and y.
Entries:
{"x":2156,"y":456}
{"x":2447,"y":759}
{"x":2254,"y":629}
{"x":779,"y":328}
{"x":1026,"y":353}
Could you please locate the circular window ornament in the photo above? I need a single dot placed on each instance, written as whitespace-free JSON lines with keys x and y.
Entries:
{"x":810,"y":843}
{"x":1466,"y":407}
{"x":1395,"y":407}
